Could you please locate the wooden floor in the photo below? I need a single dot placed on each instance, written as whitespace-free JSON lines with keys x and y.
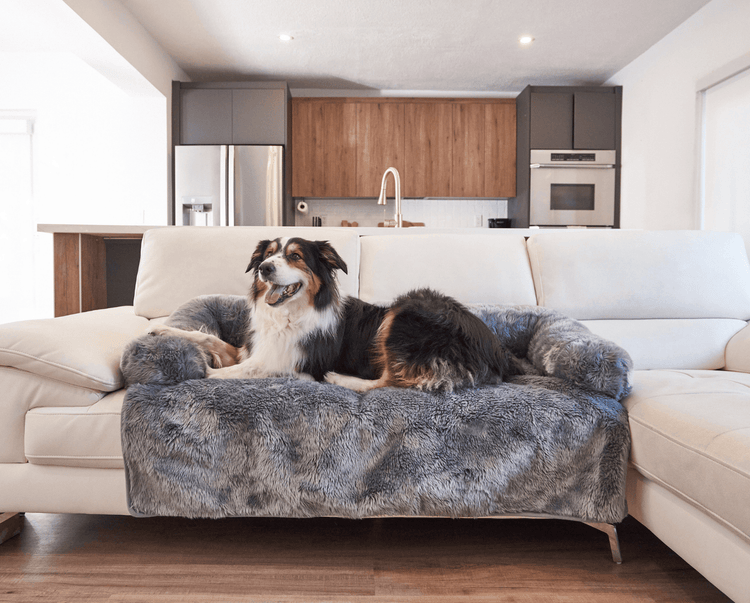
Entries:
{"x":82,"y":558}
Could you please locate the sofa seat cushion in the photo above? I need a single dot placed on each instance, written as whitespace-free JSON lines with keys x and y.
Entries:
{"x":77,"y":436}
{"x":691,"y":433}
{"x":22,"y":391}
{"x":668,"y":343}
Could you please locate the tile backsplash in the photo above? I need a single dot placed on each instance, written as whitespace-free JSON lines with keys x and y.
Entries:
{"x":435,"y":213}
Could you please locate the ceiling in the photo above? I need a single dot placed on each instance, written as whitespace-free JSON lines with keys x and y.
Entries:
{"x":410,"y":45}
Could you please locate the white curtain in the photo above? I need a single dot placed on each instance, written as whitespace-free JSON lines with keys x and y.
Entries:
{"x":726,"y":156}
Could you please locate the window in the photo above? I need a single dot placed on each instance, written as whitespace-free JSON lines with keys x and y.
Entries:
{"x":725,"y":155}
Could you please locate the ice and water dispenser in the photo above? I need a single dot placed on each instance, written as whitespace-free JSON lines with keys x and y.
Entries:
{"x":197,"y":211}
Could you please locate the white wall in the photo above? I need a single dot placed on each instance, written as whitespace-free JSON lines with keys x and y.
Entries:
{"x":97,"y":157}
{"x":659,"y":122}
{"x":120,"y":29}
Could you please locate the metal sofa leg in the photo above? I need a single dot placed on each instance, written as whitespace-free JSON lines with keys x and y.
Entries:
{"x":614,"y":542}
{"x":10,"y":525}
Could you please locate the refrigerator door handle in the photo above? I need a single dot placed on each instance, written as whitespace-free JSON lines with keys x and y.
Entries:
{"x":229,"y":164}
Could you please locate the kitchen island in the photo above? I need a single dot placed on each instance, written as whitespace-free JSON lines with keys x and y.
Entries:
{"x":95,"y":265}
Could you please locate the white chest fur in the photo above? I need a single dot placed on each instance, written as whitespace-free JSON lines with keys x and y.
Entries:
{"x":277,"y":334}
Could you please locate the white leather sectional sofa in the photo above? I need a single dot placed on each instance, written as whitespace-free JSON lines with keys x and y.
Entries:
{"x":679,"y":302}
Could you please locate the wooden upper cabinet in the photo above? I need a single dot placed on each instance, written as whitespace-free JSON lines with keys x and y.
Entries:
{"x":500,"y":150}
{"x":428,"y":149}
{"x":441,"y":148}
{"x":324,"y":136}
{"x":468,"y":150}
{"x":380,"y":145}
{"x":484,"y":150}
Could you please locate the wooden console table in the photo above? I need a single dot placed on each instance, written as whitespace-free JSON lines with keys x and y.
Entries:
{"x":82,"y":263}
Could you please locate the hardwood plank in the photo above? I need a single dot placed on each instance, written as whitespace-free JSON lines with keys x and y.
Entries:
{"x":125,"y":559}
{"x":93,"y":273}
{"x":428,"y":149}
{"x":380,"y":145}
{"x":468,"y":150}
{"x":500,"y":150}
{"x":67,"y":273}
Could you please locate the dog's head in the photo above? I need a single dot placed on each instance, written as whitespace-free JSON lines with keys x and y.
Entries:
{"x":290,"y":268}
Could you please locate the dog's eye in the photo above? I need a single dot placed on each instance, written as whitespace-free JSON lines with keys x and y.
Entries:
{"x":295,"y":256}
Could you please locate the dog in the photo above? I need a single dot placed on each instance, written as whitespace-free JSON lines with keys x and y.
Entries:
{"x":302,"y":327}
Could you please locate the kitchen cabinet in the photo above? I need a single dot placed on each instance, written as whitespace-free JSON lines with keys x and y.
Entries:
{"x":573,"y":120}
{"x":484,"y":150}
{"x":232,"y":113}
{"x":380,"y":145}
{"x":500,"y":150}
{"x":324,"y":141}
{"x":206,"y":117}
{"x":468,"y":150}
{"x":428,"y":149}
{"x":564,"y":118}
{"x":441,"y":147}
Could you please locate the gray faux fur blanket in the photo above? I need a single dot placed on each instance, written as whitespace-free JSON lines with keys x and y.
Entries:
{"x":554,"y":441}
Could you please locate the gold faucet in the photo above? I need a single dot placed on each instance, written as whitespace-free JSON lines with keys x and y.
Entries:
{"x":382,"y":198}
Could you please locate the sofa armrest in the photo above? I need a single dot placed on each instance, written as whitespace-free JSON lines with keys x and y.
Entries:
{"x":80,"y":349}
{"x":737,"y":354}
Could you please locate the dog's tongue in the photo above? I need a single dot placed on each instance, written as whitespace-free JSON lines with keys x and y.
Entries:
{"x":274,"y":294}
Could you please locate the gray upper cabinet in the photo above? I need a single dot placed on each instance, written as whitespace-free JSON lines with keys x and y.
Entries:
{"x":552,"y":120}
{"x":574,"y":119}
{"x":594,"y":120}
{"x":241,"y":113}
{"x":206,"y":116}
{"x":258,"y":116}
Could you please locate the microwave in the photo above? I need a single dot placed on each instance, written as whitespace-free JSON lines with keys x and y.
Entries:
{"x":572,"y":188}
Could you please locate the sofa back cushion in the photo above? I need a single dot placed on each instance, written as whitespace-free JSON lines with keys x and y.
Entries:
{"x":178,"y":264}
{"x":594,"y":275}
{"x":486,"y":267}
{"x":673,"y":299}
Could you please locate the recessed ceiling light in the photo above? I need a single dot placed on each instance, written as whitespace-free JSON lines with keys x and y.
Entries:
{"x":525,"y":39}
{"x":285,"y":38}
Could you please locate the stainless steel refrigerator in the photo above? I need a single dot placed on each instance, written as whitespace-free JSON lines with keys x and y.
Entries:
{"x":229,"y":185}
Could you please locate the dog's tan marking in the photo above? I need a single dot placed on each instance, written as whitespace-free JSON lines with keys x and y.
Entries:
{"x":313,"y":281}
{"x":259,"y":289}
{"x":272,"y":248}
{"x":222,"y":353}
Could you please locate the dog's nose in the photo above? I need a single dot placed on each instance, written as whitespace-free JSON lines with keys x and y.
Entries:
{"x":267,"y":269}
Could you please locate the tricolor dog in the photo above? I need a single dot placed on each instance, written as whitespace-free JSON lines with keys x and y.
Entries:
{"x":302,"y":327}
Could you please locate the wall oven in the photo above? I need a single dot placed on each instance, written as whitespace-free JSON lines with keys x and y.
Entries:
{"x":572,"y":188}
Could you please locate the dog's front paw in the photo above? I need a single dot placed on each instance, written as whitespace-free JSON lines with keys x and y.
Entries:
{"x":158,"y":329}
{"x":238,"y":371}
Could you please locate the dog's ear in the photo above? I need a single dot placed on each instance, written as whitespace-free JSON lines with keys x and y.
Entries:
{"x":257,"y":257}
{"x":330,"y":257}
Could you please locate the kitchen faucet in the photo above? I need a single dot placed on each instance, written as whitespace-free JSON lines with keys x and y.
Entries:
{"x":382,"y":198}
